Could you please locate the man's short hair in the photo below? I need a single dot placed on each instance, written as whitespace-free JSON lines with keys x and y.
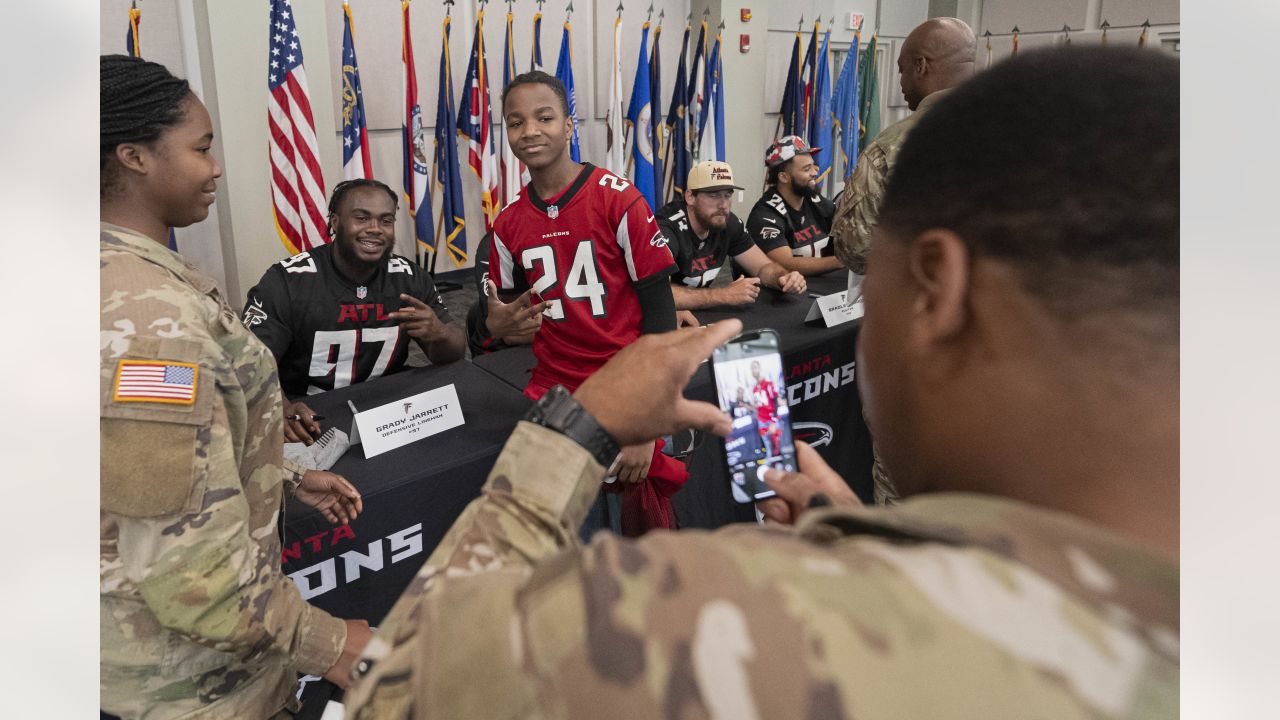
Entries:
{"x":1063,"y":163}
{"x":537,"y":77}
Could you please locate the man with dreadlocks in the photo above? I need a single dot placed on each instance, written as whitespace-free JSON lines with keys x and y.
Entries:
{"x":330,"y":314}
{"x":197,"y":619}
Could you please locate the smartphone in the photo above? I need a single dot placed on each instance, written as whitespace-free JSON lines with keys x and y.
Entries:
{"x":750,"y":387}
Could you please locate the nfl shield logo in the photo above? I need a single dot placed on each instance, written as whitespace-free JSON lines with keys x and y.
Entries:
{"x":553,"y":212}
{"x":362,"y":292}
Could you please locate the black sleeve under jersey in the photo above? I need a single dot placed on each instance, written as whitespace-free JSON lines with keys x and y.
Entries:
{"x":266,"y":312}
{"x":657,"y":304}
{"x":427,"y":293}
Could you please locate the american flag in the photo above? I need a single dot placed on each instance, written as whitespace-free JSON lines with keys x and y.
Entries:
{"x":297,"y":186}
{"x":152,"y":381}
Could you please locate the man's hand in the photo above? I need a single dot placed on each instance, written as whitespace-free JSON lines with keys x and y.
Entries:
{"x":684,"y":319}
{"x":742,"y":291}
{"x":358,"y":635}
{"x":792,"y":282}
{"x":419,"y":320}
{"x":518,"y":317}
{"x":331,"y":494}
{"x":632,"y":465}
{"x":304,"y":429}
{"x":796,"y":491}
{"x":638,"y":395}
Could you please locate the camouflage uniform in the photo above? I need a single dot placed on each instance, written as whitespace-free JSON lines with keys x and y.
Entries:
{"x":197,"y":619}
{"x":949,"y":606}
{"x":858,"y":206}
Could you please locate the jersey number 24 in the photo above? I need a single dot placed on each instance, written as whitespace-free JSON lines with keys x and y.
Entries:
{"x":581,"y":284}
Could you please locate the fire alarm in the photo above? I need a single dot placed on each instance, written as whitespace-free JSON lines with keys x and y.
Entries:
{"x":745,"y":14}
{"x":744,"y":43}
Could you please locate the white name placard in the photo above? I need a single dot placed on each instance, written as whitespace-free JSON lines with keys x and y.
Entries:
{"x":398,"y":423}
{"x":834,"y":309}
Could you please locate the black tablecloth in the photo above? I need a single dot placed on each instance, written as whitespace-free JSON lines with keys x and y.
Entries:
{"x":412,"y":494}
{"x":825,"y":408}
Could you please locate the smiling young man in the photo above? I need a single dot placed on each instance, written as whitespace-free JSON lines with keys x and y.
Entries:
{"x":703,"y":232}
{"x":584,"y":241}
{"x":342,"y":313}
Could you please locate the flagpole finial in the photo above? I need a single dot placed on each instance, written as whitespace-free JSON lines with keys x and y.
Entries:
{"x":1146,"y":23}
{"x":540,"y":2}
{"x":1015,"y":29}
{"x":661,"y":14}
{"x":619,"y":8}
{"x":986,"y":34}
{"x":1105,"y":25}
{"x":568,"y":10}
{"x":800,"y":25}
{"x":721,"y":25}
{"x":448,"y":7}
{"x":706,"y":12}
{"x":649,"y":13}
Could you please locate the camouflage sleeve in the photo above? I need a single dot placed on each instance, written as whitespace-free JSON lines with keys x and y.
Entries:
{"x":859,"y":208}
{"x":529,"y":510}
{"x":179,"y":496}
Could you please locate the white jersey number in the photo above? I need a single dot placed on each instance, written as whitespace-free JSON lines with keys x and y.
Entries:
{"x":813,"y":249}
{"x":350,"y":344}
{"x":581,"y":283}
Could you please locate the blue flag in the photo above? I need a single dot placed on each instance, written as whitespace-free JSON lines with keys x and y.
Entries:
{"x":845,"y":104}
{"x":355,"y":137}
{"x":564,"y":72}
{"x":792,"y":108}
{"x":655,"y":110}
{"x":535,"y":59}
{"x":678,"y":145}
{"x":716,"y":96}
{"x":696,"y":90}
{"x":640,"y":118}
{"x":819,"y":133}
{"x":452,"y":215}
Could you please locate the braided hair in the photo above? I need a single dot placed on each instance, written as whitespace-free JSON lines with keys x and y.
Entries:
{"x":341,"y":189}
{"x":137,"y":101}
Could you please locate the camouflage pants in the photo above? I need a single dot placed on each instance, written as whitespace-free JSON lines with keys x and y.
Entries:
{"x":883,"y":489}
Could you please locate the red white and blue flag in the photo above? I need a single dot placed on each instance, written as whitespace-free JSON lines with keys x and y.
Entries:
{"x":297,"y":185}
{"x":417,"y":175}
{"x":156,"y":381}
{"x":355,"y":137}
{"x":475,"y":124}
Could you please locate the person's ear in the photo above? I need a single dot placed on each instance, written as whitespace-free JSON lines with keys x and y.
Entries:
{"x":922,"y":66}
{"x":939,"y":266}
{"x":134,"y":157}
{"x":329,"y":226}
{"x":688,"y":197}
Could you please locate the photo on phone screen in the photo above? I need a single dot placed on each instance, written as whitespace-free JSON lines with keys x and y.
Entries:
{"x":750,"y":387}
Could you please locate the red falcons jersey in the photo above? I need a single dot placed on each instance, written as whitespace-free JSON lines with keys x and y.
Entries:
{"x":766,"y":397}
{"x":583,"y":251}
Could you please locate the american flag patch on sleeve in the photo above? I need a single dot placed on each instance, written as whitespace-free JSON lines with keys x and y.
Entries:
{"x":156,"y":381}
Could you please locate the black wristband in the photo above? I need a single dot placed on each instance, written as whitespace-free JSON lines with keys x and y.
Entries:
{"x":557,"y":410}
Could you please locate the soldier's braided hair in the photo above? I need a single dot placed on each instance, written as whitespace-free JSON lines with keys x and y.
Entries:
{"x":137,"y":101}
{"x":341,"y":189}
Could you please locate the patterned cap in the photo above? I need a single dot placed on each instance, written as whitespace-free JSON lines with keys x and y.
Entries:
{"x":785,"y":149}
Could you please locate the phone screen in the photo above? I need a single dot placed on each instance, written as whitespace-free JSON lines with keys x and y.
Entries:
{"x":750,"y":386}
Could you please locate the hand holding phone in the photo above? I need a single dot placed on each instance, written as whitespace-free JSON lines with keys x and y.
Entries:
{"x":751,"y":389}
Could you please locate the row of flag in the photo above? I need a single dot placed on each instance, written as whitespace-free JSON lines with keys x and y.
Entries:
{"x":662,"y":149}
{"x":839,"y":118}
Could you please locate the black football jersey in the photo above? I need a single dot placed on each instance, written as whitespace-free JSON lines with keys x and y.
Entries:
{"x":773,"y":224}
{"x":328,"y":332}
{"x":699,"y":261}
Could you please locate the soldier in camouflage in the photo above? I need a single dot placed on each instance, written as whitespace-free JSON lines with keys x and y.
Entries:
{"x":937,"y":56}
{"x":197,"y":619}
{"x":1019,"y":360}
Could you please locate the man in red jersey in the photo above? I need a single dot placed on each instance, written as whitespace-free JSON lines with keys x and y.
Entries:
{"x":584,"y":241}
{"x":765,"y":394}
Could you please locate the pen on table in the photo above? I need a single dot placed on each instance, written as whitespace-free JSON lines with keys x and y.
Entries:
{"x":296,"y":416}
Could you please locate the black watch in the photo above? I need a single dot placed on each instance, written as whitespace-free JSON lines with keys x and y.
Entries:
{"x":558,"y":411}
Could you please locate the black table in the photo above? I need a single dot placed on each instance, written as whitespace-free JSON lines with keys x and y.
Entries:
{"x":412,"y":494}
{"x":823,"y":398}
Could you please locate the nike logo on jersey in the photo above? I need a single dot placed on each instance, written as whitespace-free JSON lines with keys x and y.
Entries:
{"x":650,"y":219}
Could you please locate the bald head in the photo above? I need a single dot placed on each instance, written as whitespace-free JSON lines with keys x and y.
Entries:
{"x":937,"y":55}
